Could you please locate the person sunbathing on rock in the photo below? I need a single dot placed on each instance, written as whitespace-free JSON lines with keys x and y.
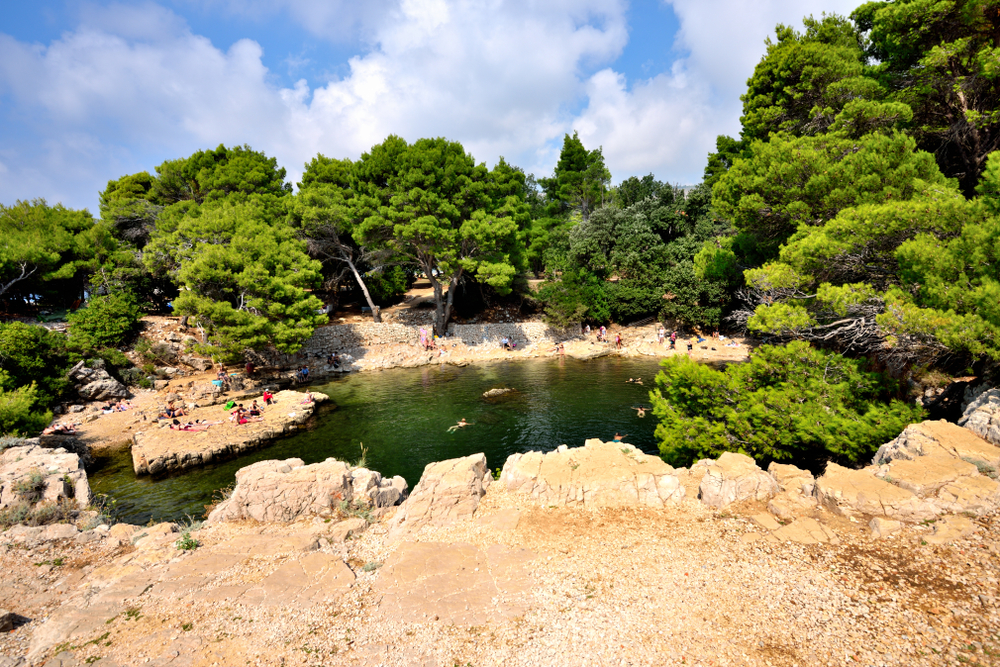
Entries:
{"x":59,"y":428}
{"x":255,"y":409}
{"x":461,"y":424}
{"x":245,"y":418}
{"x":268,"y":398}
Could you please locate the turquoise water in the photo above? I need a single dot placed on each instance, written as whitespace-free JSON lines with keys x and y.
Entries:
{"x":402,"y":417}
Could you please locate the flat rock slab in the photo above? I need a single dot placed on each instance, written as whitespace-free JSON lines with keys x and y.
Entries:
{"x":847,"y":491}
{"x":806,"y":530}
{"x":301,"y":577}
{"x":734,"y":478}
{"x":599,"y":474}
{"x":161,"y":450}
{"x":457,"y":584}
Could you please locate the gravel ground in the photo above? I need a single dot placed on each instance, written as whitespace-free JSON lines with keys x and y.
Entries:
{"x":682,"y":586}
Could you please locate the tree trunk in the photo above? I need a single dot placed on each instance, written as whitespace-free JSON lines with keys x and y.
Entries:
{"x":440,"y":323}
{"x":451,"y":297}
{"x":376,"y":315}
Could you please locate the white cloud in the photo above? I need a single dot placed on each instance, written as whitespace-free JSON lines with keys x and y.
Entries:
{"x":132,"y":85}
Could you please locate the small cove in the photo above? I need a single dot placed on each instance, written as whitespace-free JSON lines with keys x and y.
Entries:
{"x":402,"y":417}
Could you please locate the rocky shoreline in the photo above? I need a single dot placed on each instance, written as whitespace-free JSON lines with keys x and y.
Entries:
{"x":598,"y":547}
{"x":163,"y":450}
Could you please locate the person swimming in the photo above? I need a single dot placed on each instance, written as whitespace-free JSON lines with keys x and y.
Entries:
{"x":461,"y":424}
{"x":619,"y":437}
{"x":640,"y":411}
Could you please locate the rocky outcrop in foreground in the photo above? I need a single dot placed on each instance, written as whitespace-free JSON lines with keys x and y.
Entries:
{"x":448,"y":492}
{"x":159,"y":449}
{"x":59,"y":475}
{"x":286,"y":490}
{"x":599,"y":474}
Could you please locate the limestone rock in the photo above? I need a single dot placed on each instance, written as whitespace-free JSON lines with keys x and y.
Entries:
{"x":369,"y":488}
{"x":197,"y":363}
{"x":448,"y":492}
{"x":791,"y":478}
{"x":951,"y":528}
{"x":63,"y":474}
{"x":96,"y":384}
{"x":347,"y":528}
{"x":883,"y":528}
{"x":733,"y":478}
{"x":285,"y":490}
{"x":982,"y":416}
{"x":454,"y":583}
{"x":499,"y":391}
{"x":941,"y":463}
{"x":806,"y":530}
{"x":938,"y":437}
{"x":599,"y":474}
{"x":786,"y":505}
{"x":161,"y":450}
{"x":847,"y":492}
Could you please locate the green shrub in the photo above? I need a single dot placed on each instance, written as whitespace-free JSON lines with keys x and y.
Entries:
{"x":7,"y":441}
{"x":106,"y":321}
{"x":30,"y":488}
{"x":43,"y":514}
{"x":186,"y":542}
{"x":575,"y":297}
{"x":14,"y":514}
{"x":22,"y":411}
{"x":788,"y":403}
{"x":33,"y":354}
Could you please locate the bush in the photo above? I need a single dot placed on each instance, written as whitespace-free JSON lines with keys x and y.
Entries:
{"x":106,"y":321}
{"x":7,"y":441}
{"x":30,"y":488}
{"x":788,"y":403}
{"x":33,"y":354}
{"x":575,"y":297}
{"x":388,"y":286}
{"x":14,"y":514}
{"x":61,"y":511}
{"x":22,"y":411}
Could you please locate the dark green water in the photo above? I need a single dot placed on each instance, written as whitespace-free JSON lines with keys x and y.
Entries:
{"x":402,"y":417}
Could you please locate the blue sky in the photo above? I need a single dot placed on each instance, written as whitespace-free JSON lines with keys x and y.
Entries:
{"x":90,"y":91}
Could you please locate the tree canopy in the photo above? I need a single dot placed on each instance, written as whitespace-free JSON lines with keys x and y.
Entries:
{"x":432,"y":205}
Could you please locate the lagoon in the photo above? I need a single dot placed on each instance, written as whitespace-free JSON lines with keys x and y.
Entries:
{"x":402,"y":416}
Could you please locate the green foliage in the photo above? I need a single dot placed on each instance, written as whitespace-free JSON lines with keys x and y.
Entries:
{"x":580,"y":182}
{"x":923,"y":269}
{"x":31,"y":487}
{"x":793,"y":182}
{"x":246,"y":276}
{"x":32,"y":354}
{"x":575,"y":297}
{"x":22,"y":412}
{"x":46,"y":251}
{"x":939,"y":57}
{"x":7,"y":441}
{"x":233,"y":174}
{"x":106,"y":321}
{"x":792,"y":404}
{"x":186,"y":542}
{"x":389,"y":285}
{"x":805,"y":79}
{"x":14,"y":514}
{"x":432,"y":206}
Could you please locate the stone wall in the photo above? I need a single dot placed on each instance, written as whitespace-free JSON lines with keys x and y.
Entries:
{"x":336,"y":337}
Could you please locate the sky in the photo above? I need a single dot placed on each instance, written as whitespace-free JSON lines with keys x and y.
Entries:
{"x":91,"y":91}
